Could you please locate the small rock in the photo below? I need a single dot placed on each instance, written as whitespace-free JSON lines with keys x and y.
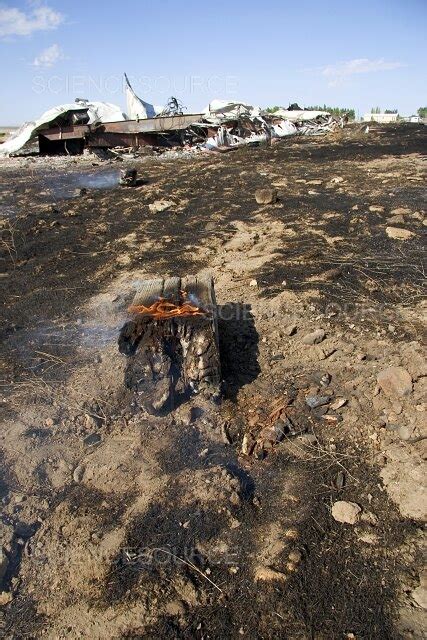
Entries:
{"x":266,"y":574}
{"x":92,"y":439}
{"x":49,"y":422}
{"x":368,"y":538}
{"x":346,"y":512}
{"x":184,"y":416}
{"x":395,"y":381}
{"x":338,"y":403}
{"x":266,"y":196}
{"x":308,"y":439}
{"x":369,"y":518}
{"x":319,"y":412}
{"x":397,"y":408}
{"x":319,"y":378}
{"x":295,"y":556}
{"x":253,"y":283}
{"x":290,"y":330}
{"x":397,"y":233}
{"x":400,"y":211}
{"x":78,"y":473}
{"x":90,"y":421}
{"x":281,"y":428}
{"x":395,"y":220}
{"x":337,"y":180}
{"x":5,"y":598}
{"x":376,"y":208}
{"x":248,"y":444}
{"x":324,"y":352}
{"x":161,"y":205}
{"x":234,"y":498}
{"x":405,"y":431}
{"x":314,"y":337}
{"x":317,"y":401}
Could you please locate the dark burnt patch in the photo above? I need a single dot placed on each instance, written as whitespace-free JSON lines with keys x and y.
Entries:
{"x":341,"y":585}
{"x":238,"y":346}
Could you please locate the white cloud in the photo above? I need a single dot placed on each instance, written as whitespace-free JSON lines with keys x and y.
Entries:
{"x":336,"y":73}
{"x":14,"y":22}
{"x":49,"y":56}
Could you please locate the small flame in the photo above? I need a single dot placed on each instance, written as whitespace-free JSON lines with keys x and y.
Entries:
{"x":163,"y":309}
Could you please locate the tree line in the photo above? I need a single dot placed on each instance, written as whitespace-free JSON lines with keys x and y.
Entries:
{"x":335,"y":111}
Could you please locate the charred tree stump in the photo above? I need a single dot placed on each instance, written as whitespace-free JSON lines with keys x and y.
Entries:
{"x":128,"y":177}
{"x":171,"y":358}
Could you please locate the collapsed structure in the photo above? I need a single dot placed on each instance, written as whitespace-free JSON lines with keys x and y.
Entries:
{"x":222,"y":125}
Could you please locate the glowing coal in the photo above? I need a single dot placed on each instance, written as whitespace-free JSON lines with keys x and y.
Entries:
{"x":163,"y":309}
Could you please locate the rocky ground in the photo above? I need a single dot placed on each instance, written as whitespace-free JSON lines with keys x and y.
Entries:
{"x":294,"y":509}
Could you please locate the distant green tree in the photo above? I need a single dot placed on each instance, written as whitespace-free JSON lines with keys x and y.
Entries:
{"x":391,"y":111}
{"x":376,"y":110}
{"x":335,"y":111}
{"x":422,"y":112}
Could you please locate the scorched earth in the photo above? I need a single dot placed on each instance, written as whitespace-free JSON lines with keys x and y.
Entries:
{"x":198,"y":523}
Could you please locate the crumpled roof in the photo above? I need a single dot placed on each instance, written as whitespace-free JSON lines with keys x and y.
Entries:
{"x":221,"y":110}
{"x":295,"y":115}
{"x":97,"y":111}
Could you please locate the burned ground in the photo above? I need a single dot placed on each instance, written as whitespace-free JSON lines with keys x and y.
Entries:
{"x":102,"y":486}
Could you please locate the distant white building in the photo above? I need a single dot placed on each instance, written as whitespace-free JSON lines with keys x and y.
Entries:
{"x":380,"y":117}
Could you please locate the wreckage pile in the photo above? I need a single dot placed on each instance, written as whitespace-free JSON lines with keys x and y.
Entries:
{"x":222,"y":126}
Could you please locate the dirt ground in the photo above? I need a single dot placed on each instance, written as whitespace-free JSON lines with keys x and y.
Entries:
{"x":117,"y":524}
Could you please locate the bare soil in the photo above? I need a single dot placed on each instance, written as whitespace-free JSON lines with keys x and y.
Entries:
{"x":119,"y":524}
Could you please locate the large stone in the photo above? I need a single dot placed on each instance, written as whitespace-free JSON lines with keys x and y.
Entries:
{"x":314,"y":337}
{"x":397,"y":233}
{"x":266,"y":196}
{"x":395,"y":382}
{"x":346,"y":512}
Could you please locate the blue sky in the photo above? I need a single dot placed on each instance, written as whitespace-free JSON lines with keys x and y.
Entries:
{"x":354,"y":54}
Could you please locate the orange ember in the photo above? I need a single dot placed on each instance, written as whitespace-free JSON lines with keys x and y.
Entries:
{"x":163,"y":309}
